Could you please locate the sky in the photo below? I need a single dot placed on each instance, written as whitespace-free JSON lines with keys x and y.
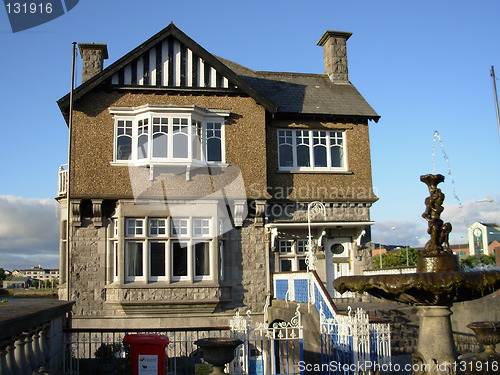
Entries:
{"x":424,"y":66}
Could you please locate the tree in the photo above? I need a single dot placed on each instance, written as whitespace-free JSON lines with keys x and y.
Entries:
{"x":2,"y":274}
{"x":475,"y":261}
{"x":398,"y":258}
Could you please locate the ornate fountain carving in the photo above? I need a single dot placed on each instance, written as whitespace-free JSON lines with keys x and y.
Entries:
{"x":437,"y":254}
{"x":438,"y":230}
{"x":436,"y":285}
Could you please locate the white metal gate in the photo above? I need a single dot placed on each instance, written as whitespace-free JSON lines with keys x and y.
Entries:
{"x":350,"y":344}
{"x":271,"y":349}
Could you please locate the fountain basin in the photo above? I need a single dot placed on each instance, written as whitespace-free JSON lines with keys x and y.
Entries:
{"x":218,"y":351}
{"x":424,"y":289}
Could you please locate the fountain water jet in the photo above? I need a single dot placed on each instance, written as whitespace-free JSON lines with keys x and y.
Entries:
{"x":436,"y":285}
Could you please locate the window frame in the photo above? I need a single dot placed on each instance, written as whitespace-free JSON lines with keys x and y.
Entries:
{"x":133,"y":278}
{"x":197,"y":120}
{"x":144,"y":231}
{"x":299,"y":141}
{"x":295,"y":255}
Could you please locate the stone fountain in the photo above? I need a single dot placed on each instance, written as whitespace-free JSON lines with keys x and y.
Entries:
{"x":437,"y":284}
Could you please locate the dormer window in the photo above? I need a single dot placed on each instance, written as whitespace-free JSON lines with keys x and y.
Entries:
{"x":168,"y":135}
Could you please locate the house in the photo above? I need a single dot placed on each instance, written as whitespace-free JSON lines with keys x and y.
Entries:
{"x":192,"y":179}
{"x":461,"y":250}
{"x":40,"y":274}
{"x":17,"y":282}
{"x":481,"y":236}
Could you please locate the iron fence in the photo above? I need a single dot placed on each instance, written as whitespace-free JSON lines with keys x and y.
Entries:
{"x":101,"y":351}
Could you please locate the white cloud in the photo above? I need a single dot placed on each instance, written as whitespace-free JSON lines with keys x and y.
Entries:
{"x":29,"y":232}
{"x":486,"y":210}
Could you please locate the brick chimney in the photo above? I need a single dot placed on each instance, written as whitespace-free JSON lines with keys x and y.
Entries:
{"x":334,"y":45}
{"x":93,"y":56}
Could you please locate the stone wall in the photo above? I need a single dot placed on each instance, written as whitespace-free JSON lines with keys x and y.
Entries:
{"x":98,"y":297}
{"x":87,"y":269}
{"x":483,"y":309}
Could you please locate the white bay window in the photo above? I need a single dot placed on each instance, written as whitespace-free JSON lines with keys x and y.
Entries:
{"x":168,"y":135}
{"x":168,"y":249}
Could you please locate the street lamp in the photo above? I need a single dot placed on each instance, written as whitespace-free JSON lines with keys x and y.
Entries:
{"x":380,"y":248}
{"x":313,"y":209}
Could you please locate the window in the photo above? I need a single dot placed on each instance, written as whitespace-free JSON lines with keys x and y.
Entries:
{"x":174,"y":249}
{"x":214,"y":141}
{"x":285,"y":246}
{"x":311,"y":150}
{"x":292,"y":255}
{"x":135,"y":227}
{"x":123,"y":139}
{"x":168,"y":135}
{"x":157,"y":227}
{"x":179,"y":227}
{"x":158,"y":260}
{"x":134,"y":260}
{"x":202,"y":259}
{"x":179,"y":259}
{"x":201,"y":227}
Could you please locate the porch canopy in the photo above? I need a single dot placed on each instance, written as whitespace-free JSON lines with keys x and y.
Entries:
{"x":320,"y":224}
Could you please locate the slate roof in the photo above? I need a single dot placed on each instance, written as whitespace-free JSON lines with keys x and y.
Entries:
{"x":278,"y":92}
{"x":305,"y":93}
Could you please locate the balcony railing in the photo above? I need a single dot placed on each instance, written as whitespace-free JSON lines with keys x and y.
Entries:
{"x":63,"y":180}
{"x":31,"y":338}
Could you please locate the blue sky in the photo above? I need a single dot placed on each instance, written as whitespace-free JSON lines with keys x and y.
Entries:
{"x":423,"y":66}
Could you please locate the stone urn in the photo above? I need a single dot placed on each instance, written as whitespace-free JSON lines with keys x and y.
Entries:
{"x":488,"y":335}
{"x":218,"y":351}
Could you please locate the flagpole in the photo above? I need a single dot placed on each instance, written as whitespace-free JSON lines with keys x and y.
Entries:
{"x":492,"y":73}
{"x":69,"y":226}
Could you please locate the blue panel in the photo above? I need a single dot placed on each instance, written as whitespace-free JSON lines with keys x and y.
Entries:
{"x":281,"y":289}
{"x":319,"y":297}
{"x":256,"y":367}
{"x":301,"y":290}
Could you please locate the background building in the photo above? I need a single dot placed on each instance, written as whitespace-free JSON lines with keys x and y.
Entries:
{"x":482,"y":236}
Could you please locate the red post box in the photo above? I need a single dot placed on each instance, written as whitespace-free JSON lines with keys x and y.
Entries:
{"x":148,"y":353}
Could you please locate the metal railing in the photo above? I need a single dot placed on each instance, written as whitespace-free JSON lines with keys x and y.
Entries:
{"x":94,"y":351}
{"x":62,"y":180}
{"x":345,"y":337}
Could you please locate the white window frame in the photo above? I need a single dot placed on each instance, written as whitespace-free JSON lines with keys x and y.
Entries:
{"x":192,"y":114}
{"x":145,"y":232}
{"x":182,"y":223}
{"x":135,"y":227}
{"x":294,"y":255}
{"x":204,"y":225}
{"x":114,"y":246}
{"x":114,"y":233}
{"x":189,"y":260}
{"x":211,"y":254}
{"x":158,"y":226}
{"x":144,"y":275}
{"x":166,"y":269}
{"x":330,"y":137}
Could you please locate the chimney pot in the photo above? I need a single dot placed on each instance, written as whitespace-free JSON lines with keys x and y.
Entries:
{"x":334,"y":45}
{"x":93,"y":56}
